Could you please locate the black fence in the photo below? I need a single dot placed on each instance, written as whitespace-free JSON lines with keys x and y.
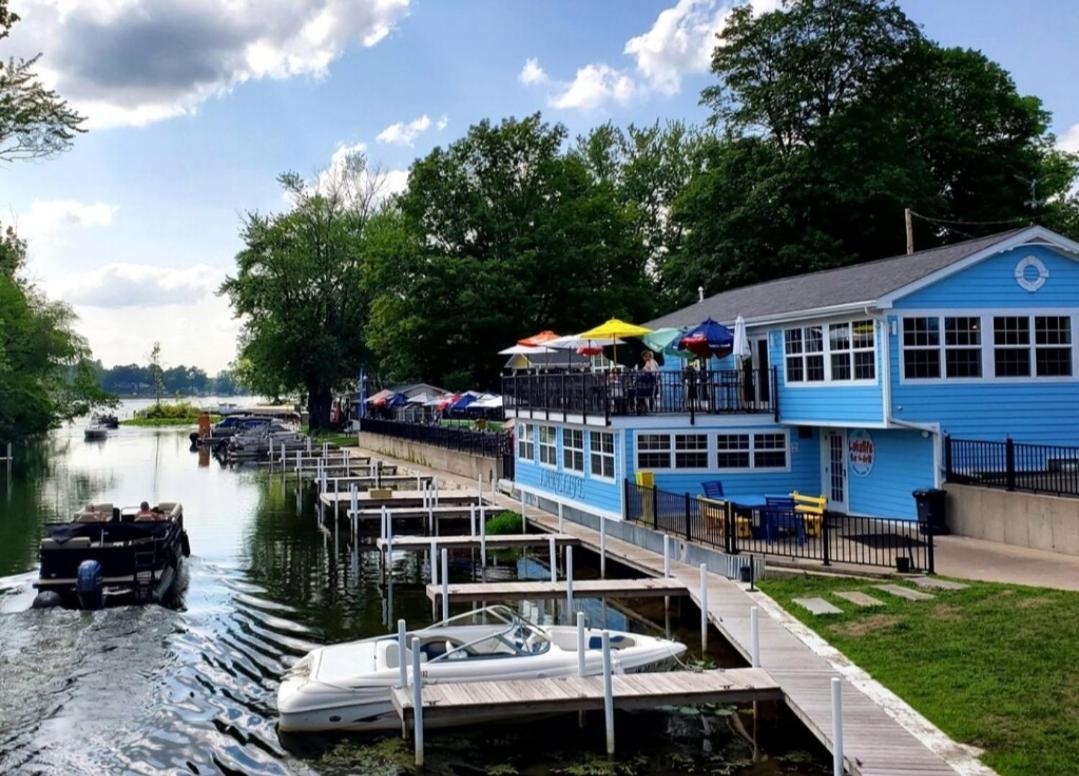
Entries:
{"x":1013,"y":466}
{"x":558,"y":394}
{"x":492,"y":444}
{"x":833,"y":538}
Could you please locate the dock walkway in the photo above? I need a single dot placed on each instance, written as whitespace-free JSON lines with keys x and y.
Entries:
{"x":495,"y":542}
{"x":585,"y":588}
{"x":400,"y":498}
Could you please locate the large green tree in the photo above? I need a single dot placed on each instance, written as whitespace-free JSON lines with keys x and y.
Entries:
{"x":35,"y":122}
{"x":500,"y":235}
{"x":298,"y":288}
{"x":838,"y":114}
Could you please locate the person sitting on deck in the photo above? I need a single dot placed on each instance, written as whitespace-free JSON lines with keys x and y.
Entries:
{"x":145,"y":514}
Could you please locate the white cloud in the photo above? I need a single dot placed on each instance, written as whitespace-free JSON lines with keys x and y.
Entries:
{"x":51,"y":226}
{"x":124,"y":285}
{"x":346,"y":162}
{"x":133,"y":62}
{"x":405,"y":134}
{"x":1070,"y":141}
{"x":532,"y":74}
{"x":442,"y":123}
{"x":594,"y":87}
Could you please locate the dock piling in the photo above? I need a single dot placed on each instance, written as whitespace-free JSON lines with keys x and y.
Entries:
{"x":445,"y":584}
{"x":569,"y":581}
{"x":552,"y":558}
{"x":602,"y":548}
{"x":666,"y":556}
{"x":837,"y":726}
{"x":471,"y":521}
{"x":417,"y":702}
{"x":402,"y":643}
{"x":704,"y":607}
{"x":755,"y":636}
{"x":608,"y":694}
{"x":580,"y":645}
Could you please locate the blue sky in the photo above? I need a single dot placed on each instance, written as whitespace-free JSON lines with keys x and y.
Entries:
{"x":196,"y":108}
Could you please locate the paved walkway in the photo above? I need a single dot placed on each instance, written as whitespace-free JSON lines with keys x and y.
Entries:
{"x":965,"y":558}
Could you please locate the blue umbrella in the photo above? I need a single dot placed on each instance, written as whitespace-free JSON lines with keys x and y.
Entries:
{"x":397,"y":400}
{"x":709,"y":339}
{"x":463,"y":402}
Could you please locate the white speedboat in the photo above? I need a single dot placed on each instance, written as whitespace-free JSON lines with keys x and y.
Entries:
{"x":347,"y":686}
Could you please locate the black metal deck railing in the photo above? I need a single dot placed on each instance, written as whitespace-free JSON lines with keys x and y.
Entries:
{"x":487,"y":443}
{"x":832,"y":538}
{"x":1012,"y":465}
{"x":603,"y":394}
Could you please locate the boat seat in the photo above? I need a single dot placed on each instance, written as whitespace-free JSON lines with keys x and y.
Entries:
{"x":596,"y":642}
{"x":93,"y":517}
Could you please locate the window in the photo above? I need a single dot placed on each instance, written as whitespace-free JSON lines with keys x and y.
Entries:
{"x":1011,"y":346}
{"x":851,"y":351}
{"x":573,"y":449}
{"x":602,"y":453}
{"x":690,"y":451}
{"x":525,"y":442}
{"x":766,"y":450}
{"x":548,"y":451}
{"x":653,"y":451}
{"x":804,"y":350}
{"x":963,"y":347}
{"x":921,"y":348}
{"x":1052,"y":346}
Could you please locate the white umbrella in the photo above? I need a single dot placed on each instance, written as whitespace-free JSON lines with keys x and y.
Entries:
{"x":741,"y":340}
{"x":572,"y":342}
{"x":524,"y":350}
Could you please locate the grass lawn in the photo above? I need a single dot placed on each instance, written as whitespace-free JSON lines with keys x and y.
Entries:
{"x":156,"y":422}
{"x":492,"y":425}
{"x":994,"y":666}
{"x":333,"y":437}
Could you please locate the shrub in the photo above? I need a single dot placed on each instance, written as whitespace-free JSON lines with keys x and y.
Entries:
{"x":181,"y":409}
{"x":504,"y":523}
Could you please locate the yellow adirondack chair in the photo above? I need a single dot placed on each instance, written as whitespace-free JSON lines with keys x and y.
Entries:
{"x":811,"y":508}
{"x":712,"y":511}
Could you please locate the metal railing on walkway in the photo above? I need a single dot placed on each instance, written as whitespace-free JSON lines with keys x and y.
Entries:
{"x":777,"y":531}
{"x":1012,"y":465}
{"x":492,"y":444}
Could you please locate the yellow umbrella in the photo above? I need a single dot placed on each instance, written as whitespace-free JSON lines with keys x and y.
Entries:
{"x":612,"y":330}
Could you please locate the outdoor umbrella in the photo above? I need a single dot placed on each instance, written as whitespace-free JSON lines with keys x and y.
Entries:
{"x":463,"y":402}
{"x":708,"y":339}
{"x":523,"y":350}
{"x":665,"y":341}
{"x":582,"y":346}
{"x":379,"y":398}
{"x":741,"y":340}
{"x":542,"y":338}
{"x":611,"y":330}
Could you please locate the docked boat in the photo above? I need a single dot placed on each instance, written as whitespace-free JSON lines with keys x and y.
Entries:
{"x":95,"y":431}
{"x":347,"y":686}
{"x":106,"y":555}
{"x":107,"y":420}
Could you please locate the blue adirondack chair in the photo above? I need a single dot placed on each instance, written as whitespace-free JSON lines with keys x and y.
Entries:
{"x":713,"y":489}
{"x":779,"y":515}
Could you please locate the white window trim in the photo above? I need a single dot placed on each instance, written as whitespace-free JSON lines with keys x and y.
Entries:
{"x":528,"y":439}
{"x":752,"y":433}
{"x":613,"y":455}
{"x":988,"y":370}
{"x":540,"y":446}
{"x":828,"y":382}
{"x":670,"y":451}
{"x":567,"y":449}
{"x":708,"y":451}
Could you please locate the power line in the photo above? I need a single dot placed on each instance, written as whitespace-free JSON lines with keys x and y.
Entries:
{"x":1017,"y":219}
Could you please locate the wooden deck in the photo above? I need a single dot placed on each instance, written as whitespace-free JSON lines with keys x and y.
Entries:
{"x":497,"y":542}
{"x":875,"y":743}
{"x":447,"y":703}
{"x":585,"y":588}
{"x":400,"y":498}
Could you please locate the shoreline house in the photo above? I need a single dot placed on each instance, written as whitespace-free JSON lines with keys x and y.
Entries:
{"x":857,"y":375}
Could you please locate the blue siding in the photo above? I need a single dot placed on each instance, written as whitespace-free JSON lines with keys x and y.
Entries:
{"x":991,"y":283}
{"x":570,"y":485}
{"x":832,"y":403}
{"x":903,"y":462}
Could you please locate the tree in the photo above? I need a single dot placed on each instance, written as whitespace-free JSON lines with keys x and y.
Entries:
{"x":35,"y":122}
{"x":498,"y":236}
{"x":157,"y":375}
{"x":298,"y":288}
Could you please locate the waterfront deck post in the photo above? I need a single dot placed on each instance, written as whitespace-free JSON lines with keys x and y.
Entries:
{"x":552,"y":558}
{"x":755,"y":636}
{"x":602,"y":547}
{"x":704,"y":607}
{"x":608,"y":694}
{"x":417,"y":702}
{"x":402,"y":643}
{"x":445,"y":584}
{"x":569,"y":581}
{"x":837,"y":726}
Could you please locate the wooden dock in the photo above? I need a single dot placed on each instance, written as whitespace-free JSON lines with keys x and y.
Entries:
{"x":366,"y":481}
{"x":496,"y":542}
{"x":584,"y":588}
{"x":447,"y":704}
{"x":401,"y":498}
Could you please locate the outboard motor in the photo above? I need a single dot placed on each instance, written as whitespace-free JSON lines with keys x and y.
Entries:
{"x":89,"y":585}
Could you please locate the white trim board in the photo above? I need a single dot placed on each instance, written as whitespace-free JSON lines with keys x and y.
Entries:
{"x":568,"y":502}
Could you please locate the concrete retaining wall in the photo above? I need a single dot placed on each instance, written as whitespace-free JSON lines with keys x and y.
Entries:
{"x":1022,"y":519}
{"x":452,"y":461}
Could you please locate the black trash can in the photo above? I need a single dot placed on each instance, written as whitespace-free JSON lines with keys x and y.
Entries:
{"x":932,"y":511}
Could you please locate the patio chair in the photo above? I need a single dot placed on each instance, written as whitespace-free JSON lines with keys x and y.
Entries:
{"x":811,"y":508}
{"x":713,"y":488}
{"x":779,"y":515}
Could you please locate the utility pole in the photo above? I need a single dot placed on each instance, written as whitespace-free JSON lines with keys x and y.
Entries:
{"x":910,"y":230}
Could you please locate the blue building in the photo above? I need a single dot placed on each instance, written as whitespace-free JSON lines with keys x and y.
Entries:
{"x":857,"y":374}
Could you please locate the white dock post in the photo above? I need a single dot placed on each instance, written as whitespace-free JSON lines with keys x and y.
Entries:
{"x":325,"y":450}
{"x":608,"y":694}
{"x":666,"y":556}
{"x":382,"y":522}
{"x":436,"y":492}
{"x":561,"y":519}
{"x":417,"y":702}
{"x":581,"y":666}
{"x":418,"y":482}
{"x":402,"y":643}
{"x":479,"y":489}
{"x":354,"y":498}
{"x":445,"y":584}
{"x":483,"y":544}
{"x":704,"y":607}
{"x":602,"y":547}
{"x":569,"y":580}
{"x":298,"y":467}
{"x":552,"y":558}
{"x":308,"y":447}
{"x":471,"y":521}
{"x":755,"y":636}
{"x":524,"y":525}
{"x":837,"y":726}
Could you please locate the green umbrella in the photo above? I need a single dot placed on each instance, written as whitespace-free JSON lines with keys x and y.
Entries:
{"x":665,"y":341}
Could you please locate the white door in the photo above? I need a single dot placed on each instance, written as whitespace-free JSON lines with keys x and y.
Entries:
{"x":833,"y":463}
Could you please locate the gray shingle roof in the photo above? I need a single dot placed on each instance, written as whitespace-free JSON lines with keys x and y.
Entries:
{"x":865,"y":282}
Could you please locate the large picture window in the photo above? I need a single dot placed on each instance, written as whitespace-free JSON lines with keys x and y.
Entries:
{"x":838,"y":352}
{"x":804,"y":353}
{"x":602,"y":454}
{"x":1053,"y":346}
{"x":573,"y":449}
{"x":548,"y":449}
{"x":690,"y":451}
{"x":653,"y":451}
{"x":963,"y":346}
{"x":921,"y":348}
{"x":526,"y":440}
{"x":764,"y":450}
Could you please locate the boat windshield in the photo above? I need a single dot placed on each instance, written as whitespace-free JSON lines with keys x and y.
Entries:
{"x":509,"y":635}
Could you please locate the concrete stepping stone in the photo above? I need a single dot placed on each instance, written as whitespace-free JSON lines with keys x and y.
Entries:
{"x":818,"y":606}
{"x":904,"y":592}
{"x":938,"y":584}
{"x":859,"y":599}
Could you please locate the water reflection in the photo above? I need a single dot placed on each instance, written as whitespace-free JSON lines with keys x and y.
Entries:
{"x":149,"y":689}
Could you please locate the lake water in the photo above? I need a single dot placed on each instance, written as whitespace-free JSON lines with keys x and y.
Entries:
{"x":192,"y":690}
